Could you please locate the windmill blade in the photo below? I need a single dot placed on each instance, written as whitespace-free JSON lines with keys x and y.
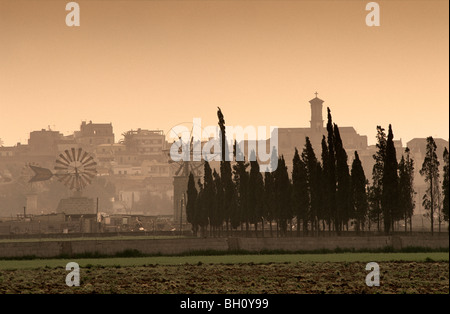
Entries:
{"x":196,"y":166}
{"x":62,"y":163}
{"x":73,"y":154}
{"x":84,"y":156}
{"x":68,"y":155}
{"x":179,"y":169}
{"x":87,"y":160}
{"x":91,"y":175}
{"x":85,"y":177}
{"x":64,"y":158}
{"x":79,"y":153}
{"x":61,"y":177}
{"x":91,"y":164}
{"x":66,"y":180}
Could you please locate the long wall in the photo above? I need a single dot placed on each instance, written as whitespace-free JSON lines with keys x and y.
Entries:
{"x":53,"y":248}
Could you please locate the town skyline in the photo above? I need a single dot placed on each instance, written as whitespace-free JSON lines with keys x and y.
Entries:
{"x":153,"y":65}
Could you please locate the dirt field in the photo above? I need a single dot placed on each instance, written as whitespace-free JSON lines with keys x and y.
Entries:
{"x":272,"y":278}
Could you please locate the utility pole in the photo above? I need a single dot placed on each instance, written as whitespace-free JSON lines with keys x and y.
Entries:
{"x":181,"y":217}
{"x":96,"y":218}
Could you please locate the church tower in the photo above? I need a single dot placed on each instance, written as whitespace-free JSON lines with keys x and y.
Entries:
{"x":316,"y":114}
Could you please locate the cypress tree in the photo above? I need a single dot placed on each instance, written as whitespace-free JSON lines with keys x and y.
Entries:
{"x":241,"y":181}
{"x":445,"y":188}
{"x":390,"y":195}
{"x":255,"y":192}
{"x":199,"y":217}
{"x":331,"y":172}
{"x":300,"y":195}
{"x":226,"y":173}
{"x":326,"y":186}
{"x":343,"y":196}
{"x":312,"y":177}
{"x":282,"y":196}
{"x":269,"y":199}
{"x":376,"y":190}
{"x":358,"y":184}
{"x":218,"y":217}
{"x":406,"y":187}
{"x":208,"y":199}
{"x":430,"y":170}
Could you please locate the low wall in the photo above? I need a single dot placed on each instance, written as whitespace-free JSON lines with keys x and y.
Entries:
{"x":176,"y":246}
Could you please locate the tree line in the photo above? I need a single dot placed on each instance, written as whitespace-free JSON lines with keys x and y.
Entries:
{"x":321,"y":194}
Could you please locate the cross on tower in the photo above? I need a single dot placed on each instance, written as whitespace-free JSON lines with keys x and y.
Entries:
{"x":316,"y":94}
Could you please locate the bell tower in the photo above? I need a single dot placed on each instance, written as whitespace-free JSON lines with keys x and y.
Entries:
{"x":316,"y":113}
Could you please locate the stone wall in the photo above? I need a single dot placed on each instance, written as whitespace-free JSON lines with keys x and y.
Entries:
{"x":53,"y":248}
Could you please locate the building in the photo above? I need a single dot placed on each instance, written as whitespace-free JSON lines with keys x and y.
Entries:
{"x":7,"y":152}
{"x":149,"y":144}
{"x":44,"y":143}
{"x":93,"y":134}
{"x":291,"y":138}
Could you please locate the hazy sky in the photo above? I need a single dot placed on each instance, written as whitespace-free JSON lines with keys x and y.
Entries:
{"x":154,"y":64}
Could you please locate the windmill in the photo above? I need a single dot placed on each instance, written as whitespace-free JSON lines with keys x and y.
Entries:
{"x":75,"y":169}
{"x":191,"y":163}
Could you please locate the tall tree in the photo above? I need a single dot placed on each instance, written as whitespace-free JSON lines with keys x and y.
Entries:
{"x":255,"y":192}
{"x":343,"y":196}
{"x":390,"y":195}
{"x":376,"y":189}
{"x":326,"y":186}
{"x":282,"y":196}
{"x":226,"y":173}
{"x":331,"y":171}
{"x":358,"y":189}
{"x":269,"y":207}
{"x":406,"y":187}
{"x":191,"y":203}
{"x":199,"y":212}
{"x":241,"y":181}
{"x":312,"y":178}
{"x":430,"y":170}
{"x":445,"y":188}
{"x":218,"y":211}
{"x":300,"y":195}
{"x":208,"y":199}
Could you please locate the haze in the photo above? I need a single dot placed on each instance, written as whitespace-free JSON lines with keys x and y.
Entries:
{"x":154,"y":64}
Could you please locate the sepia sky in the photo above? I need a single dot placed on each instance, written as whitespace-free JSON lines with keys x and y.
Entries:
{"x":155,"y":64}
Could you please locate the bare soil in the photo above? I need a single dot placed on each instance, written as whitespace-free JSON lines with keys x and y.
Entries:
{"x":273,"y":278}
